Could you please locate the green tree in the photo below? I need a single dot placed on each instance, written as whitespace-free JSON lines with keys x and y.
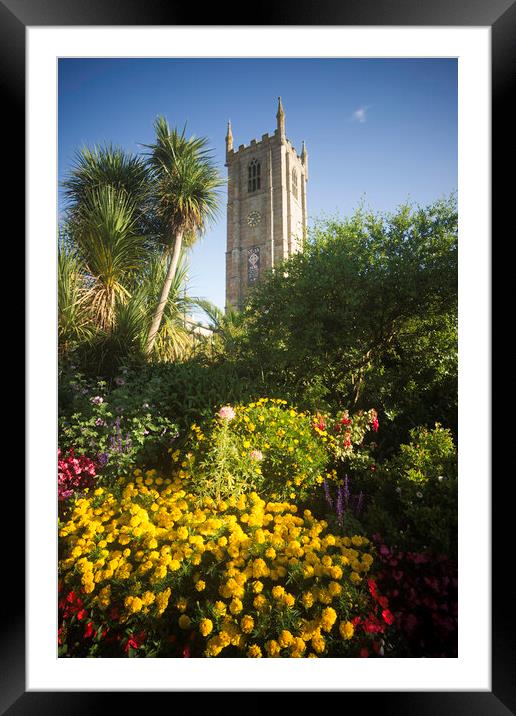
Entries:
{"x":184,"y":195}
{"x":104,"y":230}
{"x":344,"y":320}
{"x":98,"y":167}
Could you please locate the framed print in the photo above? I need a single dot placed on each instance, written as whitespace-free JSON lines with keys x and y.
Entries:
{"x":35,"y":38}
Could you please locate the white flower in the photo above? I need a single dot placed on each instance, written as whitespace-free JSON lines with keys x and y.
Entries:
{"x":227,"y":412}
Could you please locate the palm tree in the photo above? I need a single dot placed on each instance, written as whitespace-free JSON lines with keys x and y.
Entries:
{"x":98,"y":167}
{"x":226,"y":326}
{"x":185,"y":199}
{"x":104,"y":230}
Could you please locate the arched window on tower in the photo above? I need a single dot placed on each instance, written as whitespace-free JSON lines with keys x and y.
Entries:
{"x":294,"y":182}
{"x":253,"y":175}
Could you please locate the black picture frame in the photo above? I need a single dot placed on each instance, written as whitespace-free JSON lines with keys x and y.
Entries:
{"x":500,"y":16}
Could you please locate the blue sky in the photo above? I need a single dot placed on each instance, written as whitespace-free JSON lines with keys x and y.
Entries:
{"x":381,"y":131}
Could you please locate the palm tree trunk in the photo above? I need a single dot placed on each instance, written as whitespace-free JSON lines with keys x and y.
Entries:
{"x":158,"y":314}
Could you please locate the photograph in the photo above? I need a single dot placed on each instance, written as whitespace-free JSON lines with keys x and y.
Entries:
{"x":257,"y":318}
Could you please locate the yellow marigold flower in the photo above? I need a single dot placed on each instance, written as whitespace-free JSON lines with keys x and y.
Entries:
{"x":328,"y":618}
{"x":247,"y":624}
{"x":219,"y":608}
{"x":254,"y":652}
{"x":148,"y":598}
{"x":307,"y":599}
{"x":236,"y":606}
{"x":184,"y":621}
{"x":134,"y":605}
{"x":355,"y":577}
{"x":257,"y":587}
{"x":260,"y":602}
{"x":200,"y":585}
{"x":225,"y":638}
{"x":205,"y":627}
{"x":285,"y":639}
{"x":278,"y":592}
{"x":182,"y":533}
{"x":272,"y":648}
{"x":334,"y":589}
{"x":346,"y":630}
{"x":214,"y":646}
{"x":318,"y":643}
{"x":336,"y":572}
{"x":289,"y":600}
{"x":174,"y":565}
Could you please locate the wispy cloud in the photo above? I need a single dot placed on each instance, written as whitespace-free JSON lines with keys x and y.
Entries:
{"x":360,"y":114}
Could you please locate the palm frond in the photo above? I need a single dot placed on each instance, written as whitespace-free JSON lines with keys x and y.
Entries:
{"x":74,"y":318}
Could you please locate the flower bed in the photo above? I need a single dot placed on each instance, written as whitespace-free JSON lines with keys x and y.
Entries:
{"x":156,"y":571}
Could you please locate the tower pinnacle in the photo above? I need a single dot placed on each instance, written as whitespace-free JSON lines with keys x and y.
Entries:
{"x":304,"y":158}
{"x":280,"y":116}
{"x":229,"y":138}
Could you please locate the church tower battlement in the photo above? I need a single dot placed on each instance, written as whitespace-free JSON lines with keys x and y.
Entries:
{"x":266,"y":210}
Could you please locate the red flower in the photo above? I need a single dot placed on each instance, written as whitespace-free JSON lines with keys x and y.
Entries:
{"x":135,"y":641}
{"x":372,"y":588}
{"x":88,"y":630}
{"x":387,"y":616}
{"x":81,"y":614}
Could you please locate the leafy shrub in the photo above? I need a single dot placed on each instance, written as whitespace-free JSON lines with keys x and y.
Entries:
{"x":157,"y":571}
{"x":266,"y":446}
{"x":412,"y":498}
{"x":116,"y":429}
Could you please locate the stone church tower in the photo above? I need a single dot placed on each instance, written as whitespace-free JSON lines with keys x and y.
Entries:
{"x":267,"y":215}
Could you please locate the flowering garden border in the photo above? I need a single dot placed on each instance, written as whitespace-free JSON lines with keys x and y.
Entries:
{"x":13,"y":21}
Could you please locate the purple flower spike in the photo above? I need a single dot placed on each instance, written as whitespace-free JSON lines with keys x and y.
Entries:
{"x":339,"y":508}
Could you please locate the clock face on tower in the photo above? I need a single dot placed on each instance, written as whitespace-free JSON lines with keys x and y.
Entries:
{"x":254,"y":218}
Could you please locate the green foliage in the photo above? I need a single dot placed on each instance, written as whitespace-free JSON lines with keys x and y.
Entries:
{"x":184,"y":182}
{"x":429,"y":457}
{"x":412,"y":497}
{"x":122,"y":212}
{"x":366,"y":315}
{"x":74,"y":321}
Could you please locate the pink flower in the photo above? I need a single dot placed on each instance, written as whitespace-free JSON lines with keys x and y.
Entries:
{"x":226,"y":413}
{"x":256,"y":455}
